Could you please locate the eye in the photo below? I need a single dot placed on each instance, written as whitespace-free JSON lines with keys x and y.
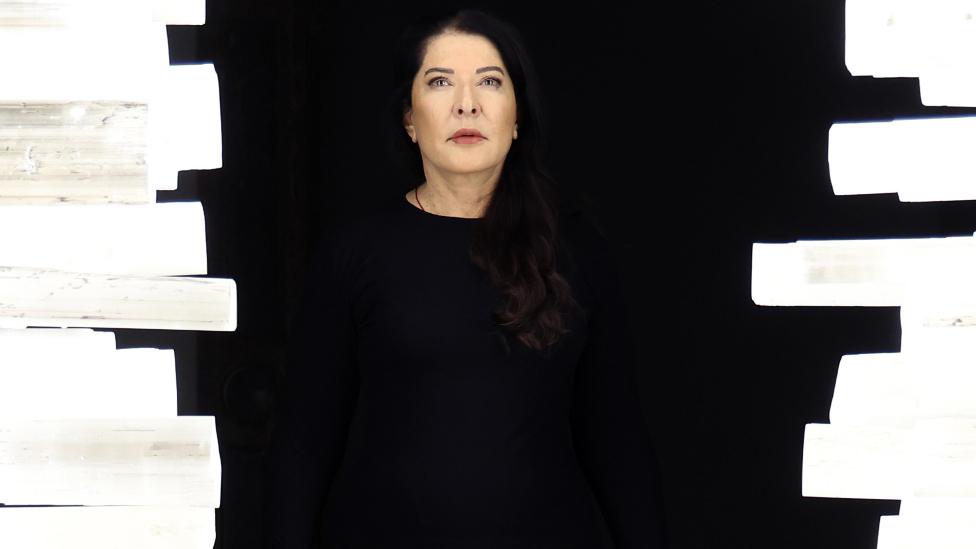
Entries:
{"x":433,"y":81}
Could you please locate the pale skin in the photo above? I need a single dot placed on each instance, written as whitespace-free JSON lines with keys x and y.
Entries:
{"x":462,"y":83}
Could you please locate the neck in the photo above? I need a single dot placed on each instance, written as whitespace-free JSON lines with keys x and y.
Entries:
{"x":458,"y":199}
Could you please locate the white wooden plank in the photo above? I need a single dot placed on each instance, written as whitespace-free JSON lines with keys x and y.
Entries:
{"x":938,"y":345}
{"x":185,"y":124}
{"x":81,"y":151}
{"x":100,"y":13}
{"x":903,"y":386}
{"x":75,"y":63}
{"x":57,"y":299}
{"x":180,"y":12}
{"x":944,"y":457}
{"x":949,"y":507}
{"x":878,"y":272}
{"x":921,"y":159}
{"x":907,"y":38}
{"x":930,"y":523}
{"x":120,"y":461}
{"x":872,"y":46}
{"x":126,"y":383}
{"x":82,"y":160}
{"x":857,"y":461}
{"x":940,"y":155}
{"x":54,"y":342}
{"x":945,"y":390}
{"x":872,"y":387}
{"x":95,"y":14}
{"x":134,"y":239}
{"x":949,"y":88}
{"x":890,"y":534}
{"x":107,"y":527}
{"x":928,"y":457}
{"x":939,"y":327}
{"x":859,"y":156}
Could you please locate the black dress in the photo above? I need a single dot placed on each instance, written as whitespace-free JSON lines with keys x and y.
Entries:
{"x":410,"y":420}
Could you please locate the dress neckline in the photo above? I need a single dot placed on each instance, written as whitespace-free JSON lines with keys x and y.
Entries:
{"x":424,"y":213}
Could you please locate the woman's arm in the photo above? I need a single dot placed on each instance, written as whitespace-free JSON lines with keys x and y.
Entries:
{"x":610,"y":434}
{"x":316,"y":401}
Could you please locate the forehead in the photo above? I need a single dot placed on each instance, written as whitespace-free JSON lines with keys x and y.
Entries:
{"x":461,"y":52}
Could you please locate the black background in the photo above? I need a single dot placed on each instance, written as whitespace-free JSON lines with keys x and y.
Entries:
{"x":695,"y":128}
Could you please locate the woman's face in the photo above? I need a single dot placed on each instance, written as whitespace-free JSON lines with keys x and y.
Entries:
{"x":462,"y":83}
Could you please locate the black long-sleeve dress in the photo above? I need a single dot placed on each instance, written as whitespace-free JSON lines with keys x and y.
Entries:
{"x":410,"y":420}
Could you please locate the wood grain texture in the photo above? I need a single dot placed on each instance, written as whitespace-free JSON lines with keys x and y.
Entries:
{"x":31,"y":297}
{"x":114,"y":461}
{"x":86,"y":152}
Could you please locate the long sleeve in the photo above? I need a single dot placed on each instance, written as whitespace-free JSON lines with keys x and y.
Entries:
{"x":610,"y":435}
{"x":315,"y":403}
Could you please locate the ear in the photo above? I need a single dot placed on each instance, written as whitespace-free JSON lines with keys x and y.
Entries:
{"x":408,"y":126}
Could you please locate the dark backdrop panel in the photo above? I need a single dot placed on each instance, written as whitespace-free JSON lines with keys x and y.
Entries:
{"x":694,"y":130}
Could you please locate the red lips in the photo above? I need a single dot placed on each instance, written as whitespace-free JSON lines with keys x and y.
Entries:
{"x":467,"y":131}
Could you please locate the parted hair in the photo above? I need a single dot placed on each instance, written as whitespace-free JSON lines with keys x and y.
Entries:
{"x":515,"y":242}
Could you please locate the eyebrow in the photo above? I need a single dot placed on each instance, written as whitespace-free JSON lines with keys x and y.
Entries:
{"x":451,"y":71}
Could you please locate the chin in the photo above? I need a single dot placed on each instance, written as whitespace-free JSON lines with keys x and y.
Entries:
{"x":472,"y":168}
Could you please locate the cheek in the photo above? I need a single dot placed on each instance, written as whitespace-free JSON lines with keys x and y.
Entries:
{"x":429,"y":121}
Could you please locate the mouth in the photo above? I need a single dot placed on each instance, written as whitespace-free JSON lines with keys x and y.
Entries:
{"x":467,"y":133}
{"x":463,"y":139}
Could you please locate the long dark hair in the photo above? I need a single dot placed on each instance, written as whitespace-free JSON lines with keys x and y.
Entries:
{"x":516,"y":240}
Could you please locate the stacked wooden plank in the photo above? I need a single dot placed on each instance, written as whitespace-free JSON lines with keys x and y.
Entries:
{"x":931,"y":40}
{"x":902,"y":425}
{"x":921,"y":159}
{"x":92,"y":123}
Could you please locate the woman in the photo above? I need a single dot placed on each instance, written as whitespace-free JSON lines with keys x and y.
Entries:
{"x":451,"y":387}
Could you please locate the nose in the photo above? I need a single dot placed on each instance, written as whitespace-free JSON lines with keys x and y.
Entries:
{"x":466,"y":103}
